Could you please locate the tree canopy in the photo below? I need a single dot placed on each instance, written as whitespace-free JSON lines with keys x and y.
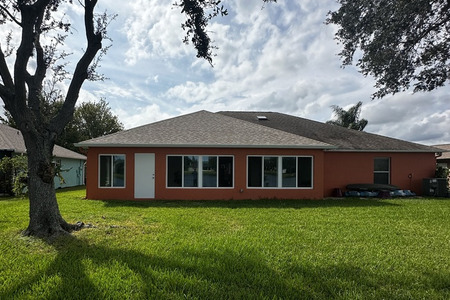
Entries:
{"x":39,"y":62}
{"x":349,"y":118}
{"x":90,"y":120}
{"x":400,"y":43}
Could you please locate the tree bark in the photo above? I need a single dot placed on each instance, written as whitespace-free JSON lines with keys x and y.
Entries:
{"x":45,"y":218}
{"x":22,"y":98}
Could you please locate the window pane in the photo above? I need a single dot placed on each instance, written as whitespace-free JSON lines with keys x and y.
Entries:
{"x":304,"y":172}
{"x":381,"y":178}
{"x":174,"y":171}
{"x":105,"y":170}
{"x":289,"y":167}
{"x":381,"y":164}
{"x":270,"y":171}
{"x":209,"y":171}
{"x":119,"y":171}
{"x":254,"y":171}
{"x":225,"y":171}
{"x":191,"y":171}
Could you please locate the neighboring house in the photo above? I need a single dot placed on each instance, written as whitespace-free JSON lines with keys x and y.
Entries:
{"x":248,"y":155}
{"x":72,"y":163}
{"x":444,"y":159}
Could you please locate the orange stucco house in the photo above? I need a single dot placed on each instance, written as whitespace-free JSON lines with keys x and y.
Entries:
{"x":247,"y":155}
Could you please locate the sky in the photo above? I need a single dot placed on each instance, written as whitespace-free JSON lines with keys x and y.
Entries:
{"x":271,"y":57}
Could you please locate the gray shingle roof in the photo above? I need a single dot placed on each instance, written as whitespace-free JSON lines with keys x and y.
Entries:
{"x":12,"y":139}
{"x":344,"y":139}
{"x":244,"y":129}
{"x":204,"y":129}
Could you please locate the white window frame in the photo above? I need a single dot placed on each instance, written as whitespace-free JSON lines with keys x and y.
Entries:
{"x":112,"y":171}
{"x":280,"y":172}
{"x":199,"y":172}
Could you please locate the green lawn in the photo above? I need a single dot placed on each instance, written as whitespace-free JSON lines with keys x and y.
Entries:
{"x":268,"y":249}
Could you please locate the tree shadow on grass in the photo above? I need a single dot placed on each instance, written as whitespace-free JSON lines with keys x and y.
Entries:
{"x":86,"y":271}
{"x":263,"y":203}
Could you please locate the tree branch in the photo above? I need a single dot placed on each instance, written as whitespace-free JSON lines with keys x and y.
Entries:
{"x":30,"y":14}
{"x":10,"y":15}
{"x":6,"y":95}
{"x":34,"y":82}
{"x":94,"y":40}
{"x":22,"y":57}
{"x":41,"y":67}
{"x":4,"y":71}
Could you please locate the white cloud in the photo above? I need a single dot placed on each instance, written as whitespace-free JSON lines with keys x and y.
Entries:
{"x":276,"y":56}
{"x":153,"y":28}
{"x":141,"y":115}
{"x":421,"y":117}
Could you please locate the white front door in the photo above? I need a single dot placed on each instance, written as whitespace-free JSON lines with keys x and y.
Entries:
{"x":144,"y":175}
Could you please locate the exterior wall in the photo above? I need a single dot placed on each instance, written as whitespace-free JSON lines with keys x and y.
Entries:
{"x":343,"y":168}
{"x":72,"y":172}
{"x":330,"y":170}
{"x":239,"y":191}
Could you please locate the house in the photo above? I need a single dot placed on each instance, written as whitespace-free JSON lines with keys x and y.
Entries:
{"x":72,"y":163}
{"x":444,"y":159}
{"x":247,"y":155}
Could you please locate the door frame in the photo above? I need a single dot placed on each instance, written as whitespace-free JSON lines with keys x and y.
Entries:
{"x":144,"y":175}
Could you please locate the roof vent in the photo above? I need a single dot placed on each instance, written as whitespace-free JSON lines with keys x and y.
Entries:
{"x":261,"y":118}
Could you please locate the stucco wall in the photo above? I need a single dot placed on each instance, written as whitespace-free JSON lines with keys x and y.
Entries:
{"x":239,"y":191}
{"x":343,"y":168}
{"x":72,"y":172}
{"x":331,"y":170}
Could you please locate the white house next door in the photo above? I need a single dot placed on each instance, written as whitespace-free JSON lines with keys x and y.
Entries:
{"x":144,"y":175}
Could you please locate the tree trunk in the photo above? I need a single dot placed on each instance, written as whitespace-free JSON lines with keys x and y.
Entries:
{"x":45,"y":218}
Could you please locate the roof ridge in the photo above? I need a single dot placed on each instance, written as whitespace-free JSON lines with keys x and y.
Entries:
{"x":275,"y":129}
{"x":204,"y":129}
{"x":343,"y":138}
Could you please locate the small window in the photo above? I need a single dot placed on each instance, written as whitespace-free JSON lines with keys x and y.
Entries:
{"x":112,"y":171}
{"x":381,"y":170}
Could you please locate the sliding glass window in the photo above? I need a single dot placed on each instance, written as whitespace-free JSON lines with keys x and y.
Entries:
{"x":280,"y":171}
{"x":197,"y":171}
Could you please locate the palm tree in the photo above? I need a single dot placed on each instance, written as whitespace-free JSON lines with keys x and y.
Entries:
{"x":349,"y":118}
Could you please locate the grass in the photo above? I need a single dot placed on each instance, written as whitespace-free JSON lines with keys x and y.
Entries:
{"x":268,"y":249}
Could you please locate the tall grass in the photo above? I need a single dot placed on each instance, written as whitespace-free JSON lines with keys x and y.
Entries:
{"x":268,"y":249}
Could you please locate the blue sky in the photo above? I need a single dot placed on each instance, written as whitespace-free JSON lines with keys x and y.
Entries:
{"x":280,"y":57}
